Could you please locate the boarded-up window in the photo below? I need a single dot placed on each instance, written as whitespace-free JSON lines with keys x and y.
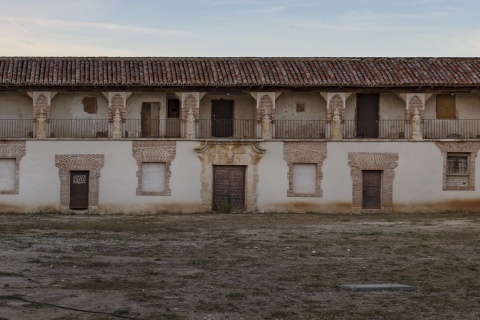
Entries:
{"x":304,"y":178}
{"x":8,"y":175}
{"x":153,"y":177}
{"x":446,"y":106}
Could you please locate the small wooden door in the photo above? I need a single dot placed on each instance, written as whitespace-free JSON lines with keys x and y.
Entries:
{"x":367,"y":115}
{"x":173,"y":118}
{"x":79,"y":190}
{"x":372,"y":189}
{"x":149,"y":119}
{"x":222,"y":118}
{"x":229,"y":188}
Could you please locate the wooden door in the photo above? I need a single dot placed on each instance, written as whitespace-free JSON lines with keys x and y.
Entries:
{"x":222,"y":118}
{"x":173,"y":118}
{"x":367,"y":115}
{"x":372,"y":189}
{"x":150,"y":123}
{"x":229,"y":188}
{"x":146,"y":119}
{"x":79,"y":190}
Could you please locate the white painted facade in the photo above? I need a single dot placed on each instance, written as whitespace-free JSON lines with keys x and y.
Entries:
{"x":418,"y":182}
{"x":417,"y":185}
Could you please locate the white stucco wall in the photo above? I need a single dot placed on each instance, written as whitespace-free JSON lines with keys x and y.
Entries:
{"x":417,"y":186}
{"x":68,"y":105}
{"x":466,"y":105}
{"x":243,"y":106}
{"x":16,"y":105}
{"x":315,"y":106}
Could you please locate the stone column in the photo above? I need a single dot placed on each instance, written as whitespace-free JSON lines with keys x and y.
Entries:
{"x":117,"y":125}
{"x":41,"y":113}
{"x":266,"y":113}
{"x":335,"y":112}
{"x":336,"y":124}
{"x":117,"y":102}
{"x":416,"y":126}
{"x":415,"y":108}
{"x":40,"y":126}
{"x":189,"y":113}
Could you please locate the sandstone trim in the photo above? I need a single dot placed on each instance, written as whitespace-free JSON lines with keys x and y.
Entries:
{"x":154,"y":151}
{"x":244,"y":153}
{"x":385,"y":162}
{"x":304,"y":152}
{"x":79,"y":162}
{"x":13,"y":150}
{"x":459,"y":147}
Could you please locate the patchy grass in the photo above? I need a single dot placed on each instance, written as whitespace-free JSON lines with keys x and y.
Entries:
{"x":233,"y":266}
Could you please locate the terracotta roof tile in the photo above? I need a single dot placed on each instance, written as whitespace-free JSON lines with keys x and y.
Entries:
{"x":239,"y":72}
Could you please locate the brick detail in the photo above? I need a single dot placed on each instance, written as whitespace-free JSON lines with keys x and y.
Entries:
{"x":190,"y":102}
{"x":41,"y":106}
{"x":79,"y":162}
{"x":304,"y":152}
{"x":265,"y":106}
{"x":13,"y":150}
{"x":414,"y":102}
{"x":386,"y":162}
{"x":154,"y":151}
{"x":459,"y":147}
{"x":336,"y":102}
{"x":117,"y":102}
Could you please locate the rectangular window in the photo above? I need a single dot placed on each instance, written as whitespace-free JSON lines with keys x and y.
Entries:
{"x":458,"y":170}
{"x":8,"y":178}
{"x":446,"y":106}
{"x":304,"y":178}
{"x":153,"y":177}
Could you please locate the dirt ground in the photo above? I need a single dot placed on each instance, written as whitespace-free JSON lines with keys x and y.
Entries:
{"x":238,"y":266}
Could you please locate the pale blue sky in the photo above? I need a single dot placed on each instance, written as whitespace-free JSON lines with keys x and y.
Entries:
{"x":324,"y":28}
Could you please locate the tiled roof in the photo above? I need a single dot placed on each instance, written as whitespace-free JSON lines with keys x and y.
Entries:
{"x":238,"y":72}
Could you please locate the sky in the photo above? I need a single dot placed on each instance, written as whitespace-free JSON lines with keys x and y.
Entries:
{"x":239,"y":28}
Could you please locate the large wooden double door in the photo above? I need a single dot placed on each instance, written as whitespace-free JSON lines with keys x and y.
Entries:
{"x":228,"y":188}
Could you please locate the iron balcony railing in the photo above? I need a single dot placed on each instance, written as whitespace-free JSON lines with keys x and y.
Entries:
{"x":77,"y":128}
{"x":300,"y":129}
{"x":16,"y":128}
{"x":227,"y":128}
{"x":243,"y":129}
{"x":375,"y":129}
{"x":451,"y":128}
{"x":156,"y":128}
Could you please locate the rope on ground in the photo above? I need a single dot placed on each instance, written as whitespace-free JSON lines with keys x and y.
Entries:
{"x":76,"y":309}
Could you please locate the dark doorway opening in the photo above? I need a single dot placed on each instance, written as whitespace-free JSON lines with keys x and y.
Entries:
{"x":367,"y":115}
{"x":229,"y":188}
{"x":79,"y":181}
{"x":222,"y":118}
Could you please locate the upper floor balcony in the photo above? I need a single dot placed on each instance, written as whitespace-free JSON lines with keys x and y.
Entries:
{"x":242,"y":129}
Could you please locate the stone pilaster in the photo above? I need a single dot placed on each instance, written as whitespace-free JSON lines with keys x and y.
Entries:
{"x":117,"y":103}
{"x":335,"y":114}
{"x":414,"y":113}
{"x":41,"y":113}
{"x":266,"y":113}
{"x":190,"y":111}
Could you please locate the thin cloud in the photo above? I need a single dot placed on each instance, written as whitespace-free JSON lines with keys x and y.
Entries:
{"x":67,"y":24}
